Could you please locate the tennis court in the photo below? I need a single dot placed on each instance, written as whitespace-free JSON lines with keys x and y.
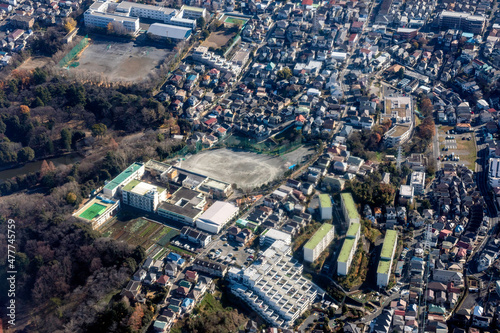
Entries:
{"x":233,"y":20}
{"x":93,"y":211}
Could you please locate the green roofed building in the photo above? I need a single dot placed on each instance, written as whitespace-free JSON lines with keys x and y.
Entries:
{"x":319,"y":242}
{"x":386,"y":256}
{"x":349,"y":209}
{"x":348,"y":249}
{"x":325,"y":206}
{"x":134,"y":171}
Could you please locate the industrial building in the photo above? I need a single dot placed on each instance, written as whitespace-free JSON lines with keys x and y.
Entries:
{"x":386,"y":257}
{"x":349,"y":209}
{"x":217,"y":216}
{"x":325,"y":206}
{"x":321,"y":239}
{"x":348,"y":249}
{"x":274,"y":286}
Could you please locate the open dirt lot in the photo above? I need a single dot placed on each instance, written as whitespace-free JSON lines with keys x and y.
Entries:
{"x":117,"y":61}
{"x":218,"y":38}
{"x":246,"y":169}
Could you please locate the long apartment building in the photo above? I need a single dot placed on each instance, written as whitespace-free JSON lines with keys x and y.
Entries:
{"x":386,"y":257}
{"x":203,"y":55}
{"x":349,"y":209}
{"x":348,"y":249}
{"x":462,"y":21}
{"x":274,"y":286}
{"x":494,"y":172}
{"x":101,"y":13}
{"x":321,"y":239}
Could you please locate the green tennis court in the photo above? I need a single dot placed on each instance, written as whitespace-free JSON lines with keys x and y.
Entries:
{"x":233,"y":20}
{"x":93,"y":211}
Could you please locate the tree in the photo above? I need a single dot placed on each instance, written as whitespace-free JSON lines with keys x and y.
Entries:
{"x":99,"y":130}
{"x":69,"y":24}
{"x":71,"y":198}
{"x":65,"y":139}
{"x":25,"y":155}
{"x":401,"y":73}
{"x":25,"y":110}
{"x":284,"y":74}
{"x":205,"y":33}
{"x":200,"y":22}
{"x":39,"y":76}
{"x":426,"y":106}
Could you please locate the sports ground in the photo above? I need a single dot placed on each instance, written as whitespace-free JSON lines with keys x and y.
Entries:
{"x":93,"y":211}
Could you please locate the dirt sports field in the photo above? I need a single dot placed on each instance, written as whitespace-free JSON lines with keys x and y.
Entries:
{"x":118,"y":61}
{"x":246,"y":169}
{"x":218,"y":39}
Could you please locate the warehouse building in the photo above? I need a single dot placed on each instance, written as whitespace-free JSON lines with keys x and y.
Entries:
{"x":217,"y":216}
{"x":386,"y":256}
{"x":321,"y":239}
{"x":160,"y":31}
{"x":348,"y":249}
{"x":349,"y":209}
{"x":325,"y":206}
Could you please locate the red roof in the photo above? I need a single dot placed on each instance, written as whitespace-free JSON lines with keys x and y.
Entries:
{"x":163,"y":279}
{"x":191,"y":275}
{"x":307,"y":2}
{"x":357,"y":24}
{"x":300,"y":118}
{"x":492,"y":110}
{"x":210,"y":121}
{"x":399,"y":313}
{"x":353,"y":37}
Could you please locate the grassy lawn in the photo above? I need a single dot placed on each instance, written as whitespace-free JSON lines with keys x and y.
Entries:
{"x":209,"y":304}
{"x":179,"y":250}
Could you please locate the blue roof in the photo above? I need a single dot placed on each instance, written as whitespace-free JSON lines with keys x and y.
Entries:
{"x":181,"y":261}
{"x":467,"y":35}
{"x":187,"y":302}
{"x":192,"y":77}
{"x":173,"y":256}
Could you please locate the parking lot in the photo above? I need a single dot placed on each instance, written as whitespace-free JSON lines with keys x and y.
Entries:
{"x":227,"y":251}
{"x":456,"y":147}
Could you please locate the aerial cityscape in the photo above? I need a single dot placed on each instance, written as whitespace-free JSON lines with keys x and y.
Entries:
{"x":249,"y":166}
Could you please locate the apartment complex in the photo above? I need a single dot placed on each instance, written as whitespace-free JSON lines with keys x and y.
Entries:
{"x":274,"y":286}
{"x":494,"y":172}
{"x":398,"y":109}
{"x":462,"y":21}
{"x":203,"y":55}
{"x":321,"y":239}
{"x":386,"y":256}
{"x":268,"y":237}
{"x":349,"y":209}
{"x":143,"y":195}
{"x":325,"y":206}
{"x":417,"y":181}
{"x":348,"y":249}
{"x":103,"y":12}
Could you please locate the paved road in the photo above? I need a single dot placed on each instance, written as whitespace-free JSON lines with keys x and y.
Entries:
{"x":370,"y":317}
{"x":309,"y":320}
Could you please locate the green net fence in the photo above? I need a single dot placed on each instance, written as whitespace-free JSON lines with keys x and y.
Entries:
{"x":74,"y":52}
